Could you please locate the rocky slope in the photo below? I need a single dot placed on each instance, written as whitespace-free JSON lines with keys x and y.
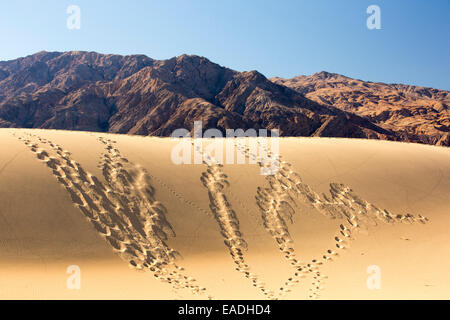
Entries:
{"x":414,"y":113}
{"x":139,"y":95}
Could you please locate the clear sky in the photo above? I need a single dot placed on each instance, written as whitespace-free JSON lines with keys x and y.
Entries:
{"x":278,"y":38}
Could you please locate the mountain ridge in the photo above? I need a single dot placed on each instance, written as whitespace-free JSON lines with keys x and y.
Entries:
{"x":135,"y":94}
{"x":418,"y":114}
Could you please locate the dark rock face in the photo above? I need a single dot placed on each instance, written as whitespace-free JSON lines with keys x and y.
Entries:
{"x":139,"y":95}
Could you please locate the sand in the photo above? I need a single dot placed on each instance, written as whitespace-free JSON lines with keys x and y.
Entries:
{"x":138,"y":226}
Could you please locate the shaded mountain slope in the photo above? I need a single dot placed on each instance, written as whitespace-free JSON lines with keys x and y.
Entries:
{"x":139,"y":95}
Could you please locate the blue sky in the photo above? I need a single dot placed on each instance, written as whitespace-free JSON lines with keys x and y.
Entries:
{"x":278,"y":38}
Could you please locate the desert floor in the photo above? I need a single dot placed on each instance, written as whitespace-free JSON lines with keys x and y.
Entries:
{"x":370,"y":220}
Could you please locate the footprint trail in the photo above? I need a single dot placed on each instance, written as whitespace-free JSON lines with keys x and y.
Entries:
{"x":123,"y":210}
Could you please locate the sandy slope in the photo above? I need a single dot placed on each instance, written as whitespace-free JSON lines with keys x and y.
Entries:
{"x":107,"y":203}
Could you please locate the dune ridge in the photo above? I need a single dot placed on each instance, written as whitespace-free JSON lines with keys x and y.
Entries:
{"x":124,"y":207}
{"x":125,"y":212}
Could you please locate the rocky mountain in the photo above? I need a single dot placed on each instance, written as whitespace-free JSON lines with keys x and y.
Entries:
{"x":139,"y":95}
{"x":416,"y":114}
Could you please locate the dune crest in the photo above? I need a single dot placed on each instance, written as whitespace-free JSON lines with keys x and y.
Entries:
{"x":249,"y":225}
{"x":124,"y":211}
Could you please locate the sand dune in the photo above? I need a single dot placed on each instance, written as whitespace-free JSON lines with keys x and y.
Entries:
{"x":139,"y":226}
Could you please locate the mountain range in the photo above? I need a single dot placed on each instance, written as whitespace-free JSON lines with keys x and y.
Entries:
{"x":416,"y":114}
{"x":139,"y":95}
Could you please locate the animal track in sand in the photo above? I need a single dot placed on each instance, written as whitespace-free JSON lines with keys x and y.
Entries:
{"x":123,"y":210}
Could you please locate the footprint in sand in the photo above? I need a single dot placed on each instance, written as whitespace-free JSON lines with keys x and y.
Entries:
{"x":277,"y":202}
{"x":123,"y":210}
